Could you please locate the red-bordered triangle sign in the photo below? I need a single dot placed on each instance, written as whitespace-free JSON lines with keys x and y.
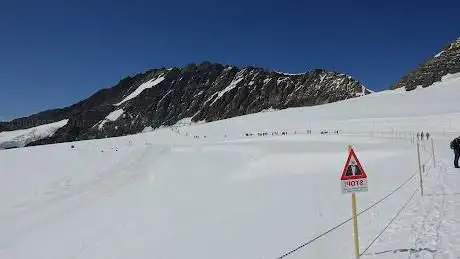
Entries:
{"x":353,"y":168}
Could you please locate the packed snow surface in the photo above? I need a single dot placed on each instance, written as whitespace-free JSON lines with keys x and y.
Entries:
{"x":219,"y":190}
{"x":141,"y":88}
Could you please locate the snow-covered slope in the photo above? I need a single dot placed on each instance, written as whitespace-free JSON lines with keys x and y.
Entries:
{"x":434,"y":109}
{"x":433,"y":69}
{"x":20,"y":138}
{"x":206,"y":92}
{"x":210,"y":191}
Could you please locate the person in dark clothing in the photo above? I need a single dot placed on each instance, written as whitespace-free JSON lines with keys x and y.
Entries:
{"x":427,"y":136}
{"x":457,"y":156}
{"x":455,"y":145}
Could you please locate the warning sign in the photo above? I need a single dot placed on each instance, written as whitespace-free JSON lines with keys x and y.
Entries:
{"x":354,"y":179}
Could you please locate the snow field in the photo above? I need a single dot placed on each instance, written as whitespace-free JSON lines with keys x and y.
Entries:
{"x":262,"y":197}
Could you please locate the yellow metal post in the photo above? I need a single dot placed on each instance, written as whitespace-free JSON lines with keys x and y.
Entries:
{"x":355,"y":220}
{"x":355,"y":224}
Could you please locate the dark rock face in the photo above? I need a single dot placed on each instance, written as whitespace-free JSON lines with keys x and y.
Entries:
{"x":161,"y":97}
{"x":3,"y":126}
{"x":38,"y":119}
{"x":447,"y":62}
{"x":8,"y":145}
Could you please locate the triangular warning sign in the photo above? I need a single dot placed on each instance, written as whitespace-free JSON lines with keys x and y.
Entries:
{"x":353,"y":168}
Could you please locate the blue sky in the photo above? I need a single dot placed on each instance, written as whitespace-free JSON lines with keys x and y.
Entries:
{"x":54,"y":53}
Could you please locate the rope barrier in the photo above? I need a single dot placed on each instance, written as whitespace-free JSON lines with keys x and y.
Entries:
{"x":348,"y":220}
{"x":382,"y":134}
{"x":391,"y":221}
{"x":403,"y":207}
{"x":367,"y":209}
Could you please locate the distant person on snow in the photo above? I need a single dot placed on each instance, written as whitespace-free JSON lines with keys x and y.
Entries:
{"x":455,"y":145}
{"x":427,"y":135}
{"x":421,"y":136}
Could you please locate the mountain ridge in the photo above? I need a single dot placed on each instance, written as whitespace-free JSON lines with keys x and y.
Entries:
{"x":202,"y":92}
{"x":433,"y":69}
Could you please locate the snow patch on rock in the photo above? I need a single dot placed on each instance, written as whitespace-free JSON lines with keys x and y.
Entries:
{"x":20,"y":138}
{"x":113,"y":116}
{"x":141,"y":88}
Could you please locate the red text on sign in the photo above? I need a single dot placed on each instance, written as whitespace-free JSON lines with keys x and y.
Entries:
{"x":358,"y":182}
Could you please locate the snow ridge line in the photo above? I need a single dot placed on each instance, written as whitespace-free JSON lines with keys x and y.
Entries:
{"x":349,"y":219}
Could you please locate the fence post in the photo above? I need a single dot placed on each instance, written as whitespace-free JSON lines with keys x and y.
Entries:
{"x":355,"y":224}
{"x":419,"y":167}
{"x":432,"y":149}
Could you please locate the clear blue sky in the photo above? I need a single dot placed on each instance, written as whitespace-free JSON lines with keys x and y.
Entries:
{"x":54,"y":53}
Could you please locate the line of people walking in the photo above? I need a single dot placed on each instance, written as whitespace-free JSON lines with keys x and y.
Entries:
{"x":421,"y":135}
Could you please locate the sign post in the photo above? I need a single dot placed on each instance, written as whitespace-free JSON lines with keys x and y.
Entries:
{"x":354,"y":179}
{"x":355,"y":224}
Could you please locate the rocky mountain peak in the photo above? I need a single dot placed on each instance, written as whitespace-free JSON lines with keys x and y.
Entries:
{"x":200,"y":92}
{"x":445,"y":62}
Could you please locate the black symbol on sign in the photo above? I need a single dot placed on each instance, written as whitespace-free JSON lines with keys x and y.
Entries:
{"x":353,"y":169}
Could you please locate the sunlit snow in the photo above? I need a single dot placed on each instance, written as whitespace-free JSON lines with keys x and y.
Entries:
{"x":221,"y":190}
{"x":20,"y":138}
{"x":141,"y":88}
{"x":113,"y":116}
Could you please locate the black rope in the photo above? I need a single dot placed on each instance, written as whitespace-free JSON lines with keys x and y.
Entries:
{"x":391,"y":221}
{"x":348,"y":220}
{"x":367,"y":209}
